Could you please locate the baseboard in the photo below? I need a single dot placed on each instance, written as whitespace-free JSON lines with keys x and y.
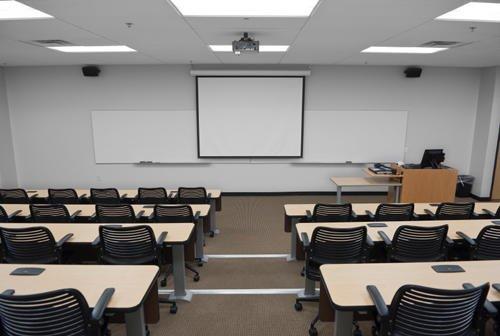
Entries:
{"x":305,"y":193}
{"x":480,"y":199}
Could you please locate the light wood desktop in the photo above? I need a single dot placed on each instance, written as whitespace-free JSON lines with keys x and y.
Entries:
{"x":344,"y":286}
{"x":393,"y":185}
{"x":135,"y":287}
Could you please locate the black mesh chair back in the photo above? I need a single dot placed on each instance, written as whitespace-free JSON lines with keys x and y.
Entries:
{"x":63,"y":196}
{"x":332,"y":213}
{"x":335,"y":246}
{"x":418,"y":311}
{"x":14,"y":196}
{"x":60,"y":312}
{"x":4,"y":217}
{"x":105,"y":196}
{"x":192,"y":196}
{"x":488,"y":243}
{"x":152,"y":196}
{"x":173,"y":214}
{"x":394,"y":212}
{"x":115,"y":213}
{"x":447,"y":211}
{"x":51,"y":213}
{"x":419,"y":243}
{"x":133,"y":245}
{"x":32,"y":245}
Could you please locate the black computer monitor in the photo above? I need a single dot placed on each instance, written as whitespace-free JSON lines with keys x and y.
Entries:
{"x":432,"y":158}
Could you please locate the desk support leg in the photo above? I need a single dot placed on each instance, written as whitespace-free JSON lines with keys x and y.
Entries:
{"x":343,"y":323}
{"x":293,"y":240}
{"x":135,"y":322}
{"x":200,"y":237}
{"x":180,"y":292}
{"x":309,"y":289}
{"x":397,"y":192}
{"x":339,"y":194}
{"x":213,"y":226}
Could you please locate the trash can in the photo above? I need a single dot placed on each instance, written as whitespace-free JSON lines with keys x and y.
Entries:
{"x":464,"y":185}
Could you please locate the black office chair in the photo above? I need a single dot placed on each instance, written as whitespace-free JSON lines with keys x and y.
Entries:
{"x":152,"y":196}
{"x":197,"y":195}
{"x":495,"y":215}
{"x":418,"y":310}
{"x":417,"y":243}
{"x":393,"y":212}
{"x":452,"y":211}
{"x":65,"y":196}
{"x":131,"y":245}
{"x":116,"y":213}
{"x":105,"y":196}
{"x":331,"y":213}
{"x":176,"y":214}
{"x":31,"y":245}
{"x":487,"y":244}
{"x":4,"y":216}
{"x":15,"y":196}
{"x":332,"y":246}
{"x":51,"y":213}
{"x":55,"y":313}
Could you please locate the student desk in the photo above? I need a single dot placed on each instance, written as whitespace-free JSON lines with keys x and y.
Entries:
{"x":86,"y":233}
{"x":135,"y":287}
{"x":88,"y":210}
{"x":342,"y":182}
{"x":344,"y":286}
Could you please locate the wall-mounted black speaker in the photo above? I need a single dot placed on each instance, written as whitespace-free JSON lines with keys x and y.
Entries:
{"x":91,"y":71}
{"x":413,"y":72}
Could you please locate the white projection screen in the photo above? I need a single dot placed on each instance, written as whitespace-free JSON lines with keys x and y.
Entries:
{"x":250,"y":117}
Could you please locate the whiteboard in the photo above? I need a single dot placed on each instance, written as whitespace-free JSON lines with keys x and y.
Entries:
{"x":133,"y":136}
{"x":354,"y":136}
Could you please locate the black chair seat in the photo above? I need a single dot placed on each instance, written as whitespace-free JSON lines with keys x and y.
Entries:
{"x":45,"y":260}
{"x":147,"y":260}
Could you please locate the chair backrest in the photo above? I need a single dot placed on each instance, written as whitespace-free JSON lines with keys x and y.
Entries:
{"x":418,"y":310}
{"x":49,"y":213}
{"x":4,"y":216}
{"x":105,"y":196}
{"x":192,"y":195}
{"x":488,"y":243}
{"x":63,"y":196}
{"x":127,"y":245}
{"x":419,"y":243}
{"x":173,"y":214}
{"x":152,"y":196}
{"x":446,"y":211}
{"x":59,"y":312}
{"x":14,"y":196}
{"x":394,"y":212}
{"x":114,"y":213}
{"x":338,"y":245}
{"x":332,"y":213}
{"x":28,"y":245}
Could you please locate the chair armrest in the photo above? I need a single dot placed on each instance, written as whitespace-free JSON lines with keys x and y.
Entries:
{"x":161,"y":238}
{"x":197,"y":216}
{"x":152,"y":216}
{"x":496,"y":286}
{"x":449,"y":241}
{"x":82,"y":196}
{"x":415,"y":216}
{"x":96,"y":242}
{"x":430,"y":213}
{"x":378,"y":301}
{"x":122,"y":197}
{"x":465,"y":237}
{"x":76,"y":214}
{"x":369,"y":241}
{"x":63,"y":240}
{"x":309,"y":216}
{"x":171,"y":194}
{"x":387,"y":241}
{"x":305,"y":240}
{"x":28,"y":218}
{"x":354,"y":215}
{"x":93,"y":217}
{"x":8,"y":292}
{"x":139,"y":214}
{"x":102,"y":304}
{"x":489,"y":212}
{"x":209,"y":196}
{"x":370,"y":214}
{"x":32,"y":197}
{"x":488,"y":306}
{"x":14,"y":214}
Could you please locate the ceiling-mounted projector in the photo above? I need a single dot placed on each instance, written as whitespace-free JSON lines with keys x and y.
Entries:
{"x":245,"y":45}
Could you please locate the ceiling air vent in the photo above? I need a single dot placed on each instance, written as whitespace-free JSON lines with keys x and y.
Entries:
{"x":49,"y":43}
{"x":444,"y":44}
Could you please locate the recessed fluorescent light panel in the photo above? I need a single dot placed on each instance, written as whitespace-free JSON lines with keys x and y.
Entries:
{"x":402,"y":50}
{"x":245,"y":8}
{"x":13,"y":10}
{"x":262,"y":48}
{"x":474,"y":11}
{"x":93,"y":49}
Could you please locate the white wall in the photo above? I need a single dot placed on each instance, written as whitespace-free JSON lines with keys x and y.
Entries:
{"x":50,"y":111}
{"x":8,"y":175}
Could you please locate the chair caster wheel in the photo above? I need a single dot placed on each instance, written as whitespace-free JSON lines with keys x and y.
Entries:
{"x":212,"y":234}
{"x":173,"y":310}
{"x":313,"y":331}
{"x":200,"y":264}
{"x":298,"y":306}
{"x":163,"y":283}
{"x":196,"y":278}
